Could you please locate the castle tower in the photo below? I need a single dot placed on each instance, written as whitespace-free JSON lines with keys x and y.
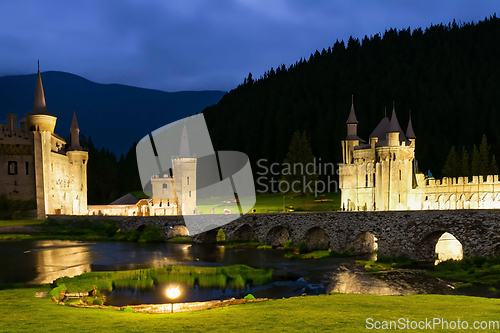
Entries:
{"x":352,"y":138}
{"x":348,"y":171}
{"x":41,"y":122}
{"x":184,"y":172}
{"x":78,"y":169}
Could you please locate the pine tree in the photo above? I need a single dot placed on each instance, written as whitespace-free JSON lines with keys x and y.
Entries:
{"x":484,"y":155}
{"x":493,"y":169}
{"x":464,"y":163}
{"x":300,"y":173}
{"x":452,"y":165}
{"x":476,"y":162}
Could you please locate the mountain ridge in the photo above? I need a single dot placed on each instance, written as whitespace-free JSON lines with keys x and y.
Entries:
{"x":114,"y":115}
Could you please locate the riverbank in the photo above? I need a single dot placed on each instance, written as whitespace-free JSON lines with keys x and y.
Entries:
{"x":20,"y":311}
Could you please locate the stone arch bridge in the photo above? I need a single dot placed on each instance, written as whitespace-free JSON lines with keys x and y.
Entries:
{"x":410,"y":233}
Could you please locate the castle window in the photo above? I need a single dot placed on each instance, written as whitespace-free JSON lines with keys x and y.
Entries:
{"x":399,"y":198}
{"x":190,"y":194}
{"x":27,"y":168}
{"x":165,"y":186}
{"x":399,"y":174}
{"x":366,"y":180}
{"x":188,"y":182}
{"x":12,"y":166}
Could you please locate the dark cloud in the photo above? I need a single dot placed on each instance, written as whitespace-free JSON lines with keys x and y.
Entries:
{"x":196,"y":45}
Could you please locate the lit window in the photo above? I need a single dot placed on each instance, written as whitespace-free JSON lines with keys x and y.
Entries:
{"x":12,"y":167}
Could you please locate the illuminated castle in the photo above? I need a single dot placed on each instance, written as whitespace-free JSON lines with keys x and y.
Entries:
{"x":37,"y":164}
{"x":381,"y":174}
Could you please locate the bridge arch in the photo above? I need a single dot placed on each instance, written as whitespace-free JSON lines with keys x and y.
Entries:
{"x":440,"y":245}
{"x":243,"y":233}
{"x":317,"y":239}
{"x":277,"y":236}
{"x":365,"y":242}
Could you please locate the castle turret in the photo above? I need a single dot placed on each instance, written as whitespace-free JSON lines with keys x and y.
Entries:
{"x":75,"y":133}
{"x":40,"y":118}
{"x":352,"y":140}
{"x":394,"y":130}
{"x":409,"y":132}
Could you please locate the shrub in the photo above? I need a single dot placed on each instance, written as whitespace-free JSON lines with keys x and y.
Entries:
{"x":302,"y":248}
{"x":97,"y":301}
{"x":221,"y":236}
{"x":478,"y":261}
{"x":133,"y":235}
{"x":128,"y":309}
{"x":151,"y":234}
{"x":57,"y":291}
{"x":249,"y":296}
{"x":463,"y":285}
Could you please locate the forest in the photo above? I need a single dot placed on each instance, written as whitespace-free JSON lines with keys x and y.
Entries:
{"x":446,"y":74}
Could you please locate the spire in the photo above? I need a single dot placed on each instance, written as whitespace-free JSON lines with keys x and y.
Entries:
{"x":75,"y":133}
{"x":39,"y":106}
{"x":409,"y":131}
{"x":74,"y":122}
{"x":39,"y":95}
{"x":394,"y":124}
{"x":352,"y":115}
{"x":184,"y":143}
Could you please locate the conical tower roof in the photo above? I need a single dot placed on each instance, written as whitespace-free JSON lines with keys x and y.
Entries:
{"x":39,"y":106}
{"x":409,"y":131}
{"x":184,"y":143}
{"x":352,"y":116}
{"x":394,"y":126}
{"x":74,"y":122}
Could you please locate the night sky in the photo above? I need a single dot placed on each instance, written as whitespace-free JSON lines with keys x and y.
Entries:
{"x":197,"y":45}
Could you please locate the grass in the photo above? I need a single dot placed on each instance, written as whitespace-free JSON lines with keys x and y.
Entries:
{"x":235,"y":276}
{"x":385,"y":264}
{"x":180,"y":240}
{"x":242,"y":244}
{"x":273,"y":203}
{"x":21,"y":312}
{"x":85,"y":231}
{"x":16,"y":223}
{"x":469,"y":271}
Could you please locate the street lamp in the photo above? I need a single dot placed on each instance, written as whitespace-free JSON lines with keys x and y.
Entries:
{"x":173,"y":293}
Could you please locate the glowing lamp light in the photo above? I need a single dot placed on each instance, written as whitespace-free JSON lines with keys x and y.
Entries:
{"x":173,"y":293}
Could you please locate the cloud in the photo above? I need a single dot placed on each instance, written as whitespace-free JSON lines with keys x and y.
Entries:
{"x":198,"y":44}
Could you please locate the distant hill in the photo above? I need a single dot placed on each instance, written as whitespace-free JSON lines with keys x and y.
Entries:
{"x":447,"y":75}
{"x":114,"y":115}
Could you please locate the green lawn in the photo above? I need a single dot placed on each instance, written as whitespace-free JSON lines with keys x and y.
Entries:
{"x":20,"y":311}
{"x":272,"y":203}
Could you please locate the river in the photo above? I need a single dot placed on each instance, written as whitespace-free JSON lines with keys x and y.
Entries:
{"x":43,"y":261}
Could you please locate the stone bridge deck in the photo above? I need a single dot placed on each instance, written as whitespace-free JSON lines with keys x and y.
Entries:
{"x":410,"y":233}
